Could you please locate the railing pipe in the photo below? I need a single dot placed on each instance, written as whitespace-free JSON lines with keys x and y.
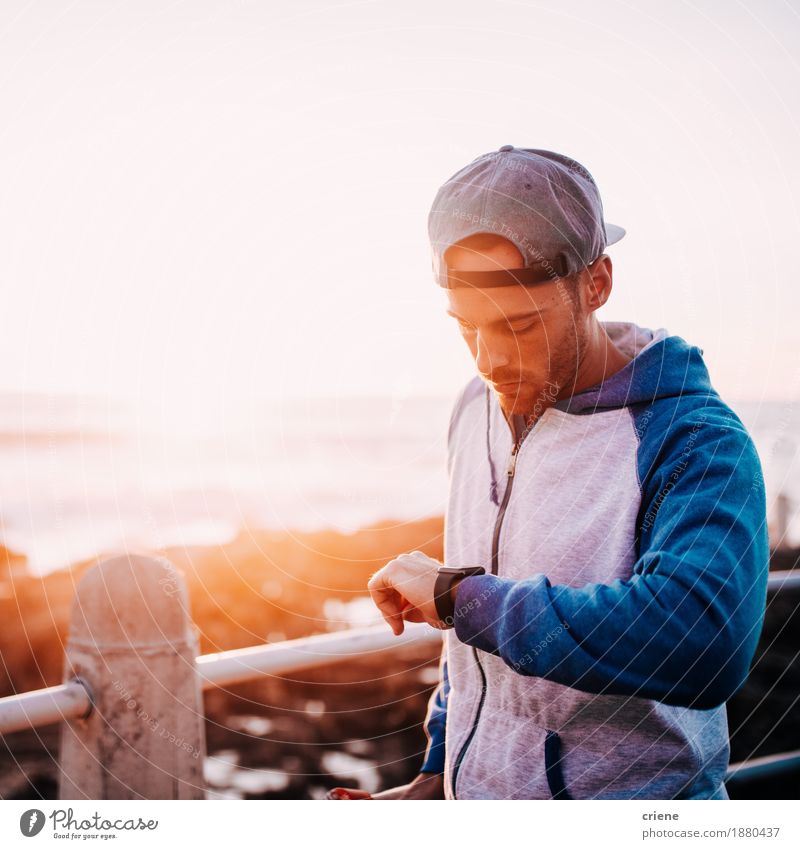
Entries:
{"x":42,"y":707}
{"x":770,"y":766}
{"x":238,"y":665}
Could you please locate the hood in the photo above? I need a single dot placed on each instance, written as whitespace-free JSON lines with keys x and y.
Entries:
{"x":663,"y":366}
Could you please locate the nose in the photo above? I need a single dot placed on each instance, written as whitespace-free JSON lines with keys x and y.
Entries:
{"x":490,"y":360}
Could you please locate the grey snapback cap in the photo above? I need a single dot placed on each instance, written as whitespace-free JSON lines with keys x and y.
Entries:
{"x":547,"y":204}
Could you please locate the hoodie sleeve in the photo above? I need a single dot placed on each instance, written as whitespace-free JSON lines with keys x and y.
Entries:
{"x":435,"y":721}
{"x":684,"y":627}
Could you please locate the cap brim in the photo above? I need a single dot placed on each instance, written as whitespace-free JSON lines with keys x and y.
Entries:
{"x":613,"y":232}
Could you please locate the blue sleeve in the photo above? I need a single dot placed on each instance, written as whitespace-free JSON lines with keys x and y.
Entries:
{"x":683,"y":628}
{"x":435,"y":722}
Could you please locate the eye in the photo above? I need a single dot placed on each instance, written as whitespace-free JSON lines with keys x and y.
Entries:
{"x":465,"y":328}
{"x":529,"y":326}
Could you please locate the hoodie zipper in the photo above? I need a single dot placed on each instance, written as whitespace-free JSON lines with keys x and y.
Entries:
{"x":495,"y":540}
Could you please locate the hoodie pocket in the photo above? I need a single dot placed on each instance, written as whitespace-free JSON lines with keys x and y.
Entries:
{"x":552,"y":766}
{"x":511,"y":757}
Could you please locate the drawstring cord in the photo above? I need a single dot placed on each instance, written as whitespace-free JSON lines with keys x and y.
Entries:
{"x":493,"y":487}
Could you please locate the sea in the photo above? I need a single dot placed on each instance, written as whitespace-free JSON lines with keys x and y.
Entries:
{"x":81,"y":475}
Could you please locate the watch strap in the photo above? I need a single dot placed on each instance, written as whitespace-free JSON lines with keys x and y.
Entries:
{"x":445,"y":608}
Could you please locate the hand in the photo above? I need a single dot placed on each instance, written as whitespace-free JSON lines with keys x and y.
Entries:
{"x":403,"y":589}
{"x":427,"y":785}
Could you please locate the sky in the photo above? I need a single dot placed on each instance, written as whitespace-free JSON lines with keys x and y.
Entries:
{"x":229,"y":200}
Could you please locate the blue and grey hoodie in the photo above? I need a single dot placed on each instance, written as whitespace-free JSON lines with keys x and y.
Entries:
{"x":625,"y":546}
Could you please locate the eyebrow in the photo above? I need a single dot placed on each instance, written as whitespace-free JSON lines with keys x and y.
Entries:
{"x":507,"y":318}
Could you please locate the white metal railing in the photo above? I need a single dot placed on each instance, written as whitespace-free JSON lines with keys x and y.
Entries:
{"x":43,"y":707}
{"x":73,"y":700}
{"x":139,"y":637}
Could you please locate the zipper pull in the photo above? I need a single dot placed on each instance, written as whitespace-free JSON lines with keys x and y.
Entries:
{"x":513,"y":462}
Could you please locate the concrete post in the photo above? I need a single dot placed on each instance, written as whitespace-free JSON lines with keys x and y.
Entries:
{"x":132,"y":643}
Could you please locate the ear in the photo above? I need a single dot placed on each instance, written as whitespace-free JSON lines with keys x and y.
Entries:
{"x":599,"y":287}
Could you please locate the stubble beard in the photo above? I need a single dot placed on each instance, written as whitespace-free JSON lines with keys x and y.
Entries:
{"x":533,"y":400}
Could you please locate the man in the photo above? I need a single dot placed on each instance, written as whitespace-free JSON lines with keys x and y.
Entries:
{"x":612,"y":502}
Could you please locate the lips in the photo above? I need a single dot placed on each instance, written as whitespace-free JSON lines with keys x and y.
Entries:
{"x":507,"y":387}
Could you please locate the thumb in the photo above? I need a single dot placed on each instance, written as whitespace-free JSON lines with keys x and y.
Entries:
{"x":412,"y":614}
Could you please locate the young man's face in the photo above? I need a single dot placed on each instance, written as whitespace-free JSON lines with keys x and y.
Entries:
{"x":531,"y":337}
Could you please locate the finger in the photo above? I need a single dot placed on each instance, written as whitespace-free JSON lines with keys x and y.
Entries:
{"x":391,"y":611}
{"x":388,"y":601}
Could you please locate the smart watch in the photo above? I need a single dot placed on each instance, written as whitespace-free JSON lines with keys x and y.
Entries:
{"x":445,"y":575}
